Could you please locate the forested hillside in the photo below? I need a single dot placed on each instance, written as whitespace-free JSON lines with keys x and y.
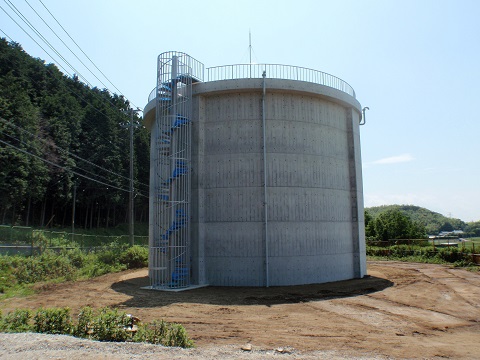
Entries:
{"x":59,"y":136}
{"x":433,"y":222}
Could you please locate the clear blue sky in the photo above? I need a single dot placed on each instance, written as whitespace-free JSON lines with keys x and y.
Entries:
{"x":415,"y":64}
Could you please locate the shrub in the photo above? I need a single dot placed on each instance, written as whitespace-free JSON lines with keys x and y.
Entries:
{"x":93,"y":270}
{"x":53,"y":321}
{"x":134,"y":257}
{"x":84,"y":327}
{"x":449,"y":254}
{"x":177,"y":336}
{"x":49,"y":265}
{"x":40,"y":240}
{"x":110,"y":254}
{"x":76,"y":257}
{"x":423,"y":252}
{"x":106,"y":325}
{"x":108,"y":257}
{"x":111,"y":325}
{"x":153,"y":333}
{"x":16,"y":321}
{"x":7,"y":278}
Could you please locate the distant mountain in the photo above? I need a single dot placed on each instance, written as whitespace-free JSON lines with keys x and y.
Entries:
{"x":433,"y":221}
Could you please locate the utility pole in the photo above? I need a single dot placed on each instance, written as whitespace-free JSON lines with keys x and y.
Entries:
{"x":73,"y":207}
{"x":131,"y":207}
{"x":131,"y":197}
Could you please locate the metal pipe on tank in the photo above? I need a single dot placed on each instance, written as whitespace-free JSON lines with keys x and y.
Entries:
{"x":265,"y":203}
{"x":363,"y":121}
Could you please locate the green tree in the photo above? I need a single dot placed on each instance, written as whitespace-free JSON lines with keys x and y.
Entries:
{"x":431,"y":220}
{"x":17,"y":112}
{"x":369,"y":225}
{"x":446,"y":226}
{"x":59,"y":119}
{"x":473,"y":228}
{"x":393,"y":224}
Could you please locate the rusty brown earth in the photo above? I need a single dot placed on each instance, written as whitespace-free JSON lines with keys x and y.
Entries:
{"x":400,"y":310}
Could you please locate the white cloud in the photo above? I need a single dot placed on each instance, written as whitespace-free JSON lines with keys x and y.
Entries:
{"x":394,"y":159}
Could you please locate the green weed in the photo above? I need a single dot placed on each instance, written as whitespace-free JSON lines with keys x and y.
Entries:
{"x":104,"y":325}
{"x":16,"y":321}
{"x":53,"y":321}
{"x":134,"y":257}
{"x":111,"y":325}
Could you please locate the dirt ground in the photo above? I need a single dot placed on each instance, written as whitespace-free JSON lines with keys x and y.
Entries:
{"x":400,"y":310}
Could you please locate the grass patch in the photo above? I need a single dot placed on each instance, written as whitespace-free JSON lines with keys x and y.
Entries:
{"x":106,"y":324}
{"x":19,"y":274}
{"x":426,"y":253}
{"x":472,"y":244}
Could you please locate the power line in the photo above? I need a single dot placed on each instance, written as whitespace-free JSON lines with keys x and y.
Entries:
{"x":19,"y":14}
{"x":77,"y":95}
{"x":63,"y":167}
{"x":6,"y":35}
{"x":67,"y":152}
{"x":71,"y":90}
{"x":83,"y":52}
{"x":29,"y":24}
{"x":38,"y":33}
{"x":87,"y":171}
{"x":58,"y":37}
{"x":58,"y":63}
{"x":41,"y":47}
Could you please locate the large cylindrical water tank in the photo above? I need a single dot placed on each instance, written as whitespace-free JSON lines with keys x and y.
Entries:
{"x":305,"y":225}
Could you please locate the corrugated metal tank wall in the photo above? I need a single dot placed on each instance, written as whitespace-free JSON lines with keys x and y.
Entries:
{"x":312,"y":185}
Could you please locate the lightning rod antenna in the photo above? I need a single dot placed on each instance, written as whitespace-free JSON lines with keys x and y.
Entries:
{"x":250,"y":44}
{"x":250,"y":49}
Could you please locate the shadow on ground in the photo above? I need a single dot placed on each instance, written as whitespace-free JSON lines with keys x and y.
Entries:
{"x":215,"y":295}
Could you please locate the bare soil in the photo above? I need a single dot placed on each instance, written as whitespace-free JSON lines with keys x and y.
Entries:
{"x":400,"y":310}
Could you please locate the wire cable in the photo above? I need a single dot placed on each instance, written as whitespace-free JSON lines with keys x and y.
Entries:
{"x":83,"y":52}
{"x":88,"y":172}
{"x":63,"y":167}
{"x":41,"y":36}
{"x":6,"y":35}
{"x":66,"y":151}
{"x":66,"y":168}
{"x":28,"y":23}
{"x":58,"y":37}
{"x":71,"y":90}
{"x":53,"y":58}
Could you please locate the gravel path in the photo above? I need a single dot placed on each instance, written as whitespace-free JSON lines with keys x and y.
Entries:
{"x":40,"y":346}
